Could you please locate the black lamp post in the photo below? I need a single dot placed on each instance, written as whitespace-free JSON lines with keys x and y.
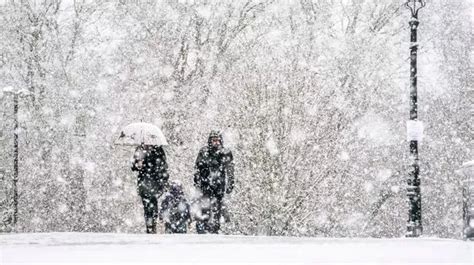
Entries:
{"x":414,"y":226}
{"x":16,"y":95}
{"x":15,"y":160}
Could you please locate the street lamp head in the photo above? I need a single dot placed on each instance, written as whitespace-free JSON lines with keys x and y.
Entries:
{"x":414,"y":6}
{"x":23,"y":92}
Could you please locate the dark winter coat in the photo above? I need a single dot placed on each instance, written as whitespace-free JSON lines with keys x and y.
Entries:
{"x":152,"y":175}
{"x":175,"y":211}
{"x":215,"y":171}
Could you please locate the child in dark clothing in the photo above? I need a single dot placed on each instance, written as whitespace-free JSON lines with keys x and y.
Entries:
{"x":175,"y":210}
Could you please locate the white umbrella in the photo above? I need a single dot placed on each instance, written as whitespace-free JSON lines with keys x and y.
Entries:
{"x":141,"y":133}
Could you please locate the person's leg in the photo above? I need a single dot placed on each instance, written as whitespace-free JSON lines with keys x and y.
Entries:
{"x":203,"y":218}
{"x":216,"y":208}
{"x":168,"y":229}
{"x":148,"y":214}
{"x":154,"y":213}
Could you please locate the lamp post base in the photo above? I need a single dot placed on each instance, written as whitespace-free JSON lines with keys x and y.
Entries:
{"x":414,"y":230}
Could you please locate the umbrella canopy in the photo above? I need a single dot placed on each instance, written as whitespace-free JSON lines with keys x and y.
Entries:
{"x":141,"y":133}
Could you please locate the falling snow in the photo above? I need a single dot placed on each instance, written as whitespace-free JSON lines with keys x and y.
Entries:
{"x":312,"y":98}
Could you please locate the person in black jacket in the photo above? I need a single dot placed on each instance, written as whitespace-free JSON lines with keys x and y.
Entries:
{"x":214,"y":177}
{"x":175,"y":210}
{"x":150,"y":163}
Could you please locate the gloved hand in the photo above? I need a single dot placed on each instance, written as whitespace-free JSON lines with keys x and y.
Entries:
{"x":214,"y":163}
{"x":197,"y":180}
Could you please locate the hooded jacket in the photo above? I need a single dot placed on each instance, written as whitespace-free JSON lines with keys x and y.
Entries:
{"x":214,"y":168}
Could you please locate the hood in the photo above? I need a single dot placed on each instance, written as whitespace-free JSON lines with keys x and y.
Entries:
{"x":215,"y":134}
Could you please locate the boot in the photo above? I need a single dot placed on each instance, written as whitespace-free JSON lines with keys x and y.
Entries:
{"x":153,"y":226}
{"x":149,"y":226}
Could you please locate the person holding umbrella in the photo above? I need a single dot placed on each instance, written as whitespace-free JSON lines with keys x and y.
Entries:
{"x":149,"y":161}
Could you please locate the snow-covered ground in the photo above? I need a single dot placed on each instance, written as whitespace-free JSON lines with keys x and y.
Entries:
{"x":67,"y":248}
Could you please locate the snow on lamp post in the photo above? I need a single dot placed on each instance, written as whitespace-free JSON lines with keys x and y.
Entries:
{"x":414,"y":129}
{"x":16,"y":95}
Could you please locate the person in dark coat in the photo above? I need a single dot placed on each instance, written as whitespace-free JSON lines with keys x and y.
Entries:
{"x":175,"y":210}
{"x":150,"y":163}
{"x":214,"y":177}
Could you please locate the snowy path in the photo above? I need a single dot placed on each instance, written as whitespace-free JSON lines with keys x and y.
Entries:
{"x":66,"y":248}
